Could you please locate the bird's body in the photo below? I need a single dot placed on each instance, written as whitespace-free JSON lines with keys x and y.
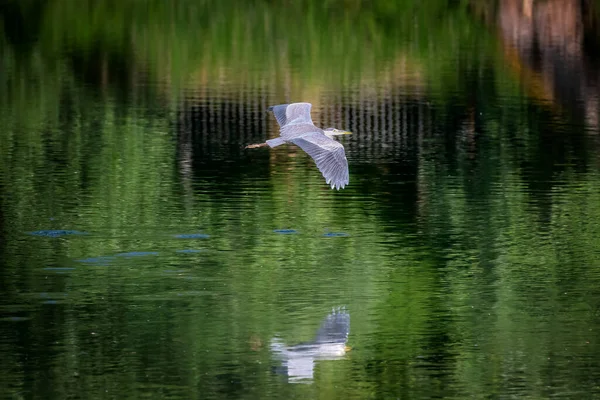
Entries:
{"x":296,"y":127}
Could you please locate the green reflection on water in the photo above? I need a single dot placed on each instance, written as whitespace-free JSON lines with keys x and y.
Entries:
{"x":468,"y":264}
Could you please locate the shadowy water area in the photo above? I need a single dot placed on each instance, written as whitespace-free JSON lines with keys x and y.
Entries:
{"x":144,"y":252}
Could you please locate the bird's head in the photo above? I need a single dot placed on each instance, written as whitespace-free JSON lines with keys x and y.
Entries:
{"x":334,"y":132}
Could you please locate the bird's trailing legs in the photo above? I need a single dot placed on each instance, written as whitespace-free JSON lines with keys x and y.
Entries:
{"x":271,"y":143}
{"x":254,"y":146}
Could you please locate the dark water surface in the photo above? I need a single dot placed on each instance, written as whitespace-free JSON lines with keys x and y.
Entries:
{"x":146,"y":254}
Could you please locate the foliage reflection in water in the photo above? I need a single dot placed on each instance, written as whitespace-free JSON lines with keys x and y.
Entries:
{"x":145,"y":253}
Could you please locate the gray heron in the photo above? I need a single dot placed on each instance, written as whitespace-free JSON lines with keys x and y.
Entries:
{"x":296,"y":127}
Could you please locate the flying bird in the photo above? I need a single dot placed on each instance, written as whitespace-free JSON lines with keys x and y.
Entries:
{"x":296,"y":126}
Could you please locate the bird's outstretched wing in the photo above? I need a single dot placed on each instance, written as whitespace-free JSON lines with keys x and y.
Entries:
{"x":329,"y":156}
{"x":335,"y":328}
{"x":295,"y":113}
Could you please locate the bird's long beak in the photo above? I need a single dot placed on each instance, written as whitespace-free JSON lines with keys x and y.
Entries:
{"x":346,"y":133}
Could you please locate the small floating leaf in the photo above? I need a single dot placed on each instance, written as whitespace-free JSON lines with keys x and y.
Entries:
{"x":285,"y":231}
{"x":336,"y":234}
{"x":56,"y":233}
{"x":192,"y":236}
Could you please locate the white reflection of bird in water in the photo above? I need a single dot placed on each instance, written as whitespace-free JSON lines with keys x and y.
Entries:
{"x":296,"y":127}
{"x":329,"y":344}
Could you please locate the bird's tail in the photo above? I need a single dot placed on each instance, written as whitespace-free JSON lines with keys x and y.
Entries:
{"x":275,"y":142}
